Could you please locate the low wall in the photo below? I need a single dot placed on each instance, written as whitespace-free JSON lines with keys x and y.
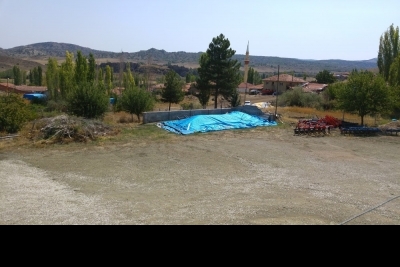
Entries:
{"x":159,"y":116}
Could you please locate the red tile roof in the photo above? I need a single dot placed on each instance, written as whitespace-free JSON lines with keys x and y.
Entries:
{"x":22,"y":89}
{"x":314,"y":87}
{"x":243,"y":85}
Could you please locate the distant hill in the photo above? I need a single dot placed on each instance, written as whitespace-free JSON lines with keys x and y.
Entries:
{"x":263,"y":64}
{"x":8,"y":62}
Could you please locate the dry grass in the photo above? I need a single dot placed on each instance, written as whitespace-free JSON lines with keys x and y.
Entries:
{"x":293,"y":114}
{"x":128,"y":126}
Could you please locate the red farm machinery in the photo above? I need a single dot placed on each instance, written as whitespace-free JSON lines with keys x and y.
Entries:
{"x":317,"y":126}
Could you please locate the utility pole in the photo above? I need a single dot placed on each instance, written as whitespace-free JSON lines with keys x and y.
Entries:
{"x":246,"y":69}
{"x":276,"y":95}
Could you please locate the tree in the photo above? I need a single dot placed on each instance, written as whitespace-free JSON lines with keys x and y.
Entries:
{"x":394,"y":74}
{"x":136,"y":101}
{"x":188,"y":77}
{"x":204,"y":91}
{"x":121,"y":69}
{"x":394,"y":81}
{"x":219,"y":69}
{"x":235,"y":99}
{"x":325,"y":77}
{"x":17,"y":75}
{"x":40,"y":76}
{"x":365,"y":94}
{"x":91,"y":73}
{"x":100,"y":77}
{"x":87,"y":101}
{"x":172,"y":92}
{"x":389,"y":48}
{"x":81,"y":69}
{"x":100,"y":82}
{"x":108,"y":80}
{"x":256,"y":78}
{"x":128,"y":80}
{"x":52,"y":78}
{"x":253,"y":76}
{"x":67,"y":73}
{"x":34,"y":76}
{"x":329,"y":95}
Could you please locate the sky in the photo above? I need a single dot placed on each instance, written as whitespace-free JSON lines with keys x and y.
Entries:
{"x":303,"y":29}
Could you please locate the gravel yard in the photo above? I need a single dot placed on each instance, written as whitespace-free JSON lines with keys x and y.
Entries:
{"x":252,"y":177}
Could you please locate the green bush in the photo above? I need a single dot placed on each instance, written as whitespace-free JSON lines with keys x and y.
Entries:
{"x":56,"y":106}
{"x":14,"y":113}
{"x":88,"y":101}
{"x":298,"y":98}
{"x":190,"y":106}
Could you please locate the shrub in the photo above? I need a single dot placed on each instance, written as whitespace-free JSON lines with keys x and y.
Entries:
{"x":14,"y":113}
{"x":190,"y":106}
{"x":88,"y":101}
{"x":297,"y":98}
{"x":58,"y":106}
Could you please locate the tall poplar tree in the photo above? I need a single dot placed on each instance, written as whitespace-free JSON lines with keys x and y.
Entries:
{"x":128,"y":80}
{"x":394,"y":81}
{"x":81,"y":68}
{"x":17,"y":75}
{"x":219,"y":69}
{"x":52,"y":78}
{"x":108,"y":80}
{"x":389,"y":48}
{"x":394,"y":74}
{"x":67,"y":72}
{"x":40,"y":76}
{"x":91,"y":73}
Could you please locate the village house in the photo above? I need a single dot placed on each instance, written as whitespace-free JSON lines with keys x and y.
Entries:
{"x":282,"y":83}
{"x":314,"y":87}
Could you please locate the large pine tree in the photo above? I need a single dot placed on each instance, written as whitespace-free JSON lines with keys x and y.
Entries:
{"x":219,"y":70}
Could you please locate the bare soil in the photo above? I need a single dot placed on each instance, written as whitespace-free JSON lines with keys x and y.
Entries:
{"x":263,"y":176}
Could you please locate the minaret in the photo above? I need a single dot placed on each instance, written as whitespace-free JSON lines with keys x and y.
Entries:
{"x":246,"y":69}
{"x":246,"y":64}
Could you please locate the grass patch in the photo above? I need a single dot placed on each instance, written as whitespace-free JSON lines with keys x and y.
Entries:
{"x":142,"y":132}
{"x":293,"y":114}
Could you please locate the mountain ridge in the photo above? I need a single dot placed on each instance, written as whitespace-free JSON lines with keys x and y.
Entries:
{"x":267,"y":64}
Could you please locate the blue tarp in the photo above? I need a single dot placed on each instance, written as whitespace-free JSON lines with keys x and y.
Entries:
{"x":208,"y":123}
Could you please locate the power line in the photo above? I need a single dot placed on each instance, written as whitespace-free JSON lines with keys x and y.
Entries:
{"x":369,"y":210}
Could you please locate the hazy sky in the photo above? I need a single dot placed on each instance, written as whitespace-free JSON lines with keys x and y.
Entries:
{"x":304,"y":29}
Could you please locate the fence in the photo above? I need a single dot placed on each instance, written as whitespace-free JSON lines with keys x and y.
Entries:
{"x":159,"y":116}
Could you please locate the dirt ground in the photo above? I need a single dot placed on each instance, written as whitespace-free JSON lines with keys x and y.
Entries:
{"x":263,"y":176}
